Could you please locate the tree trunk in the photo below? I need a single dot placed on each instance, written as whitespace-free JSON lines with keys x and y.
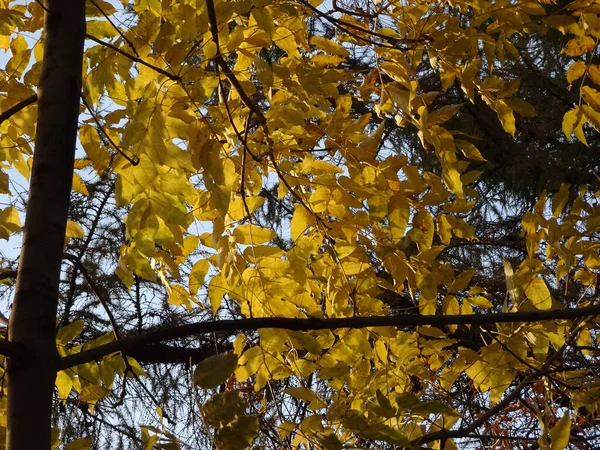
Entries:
{"x":33,"y":318}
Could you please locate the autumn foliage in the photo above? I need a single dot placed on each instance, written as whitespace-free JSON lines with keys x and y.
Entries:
{"x":208,"y":115}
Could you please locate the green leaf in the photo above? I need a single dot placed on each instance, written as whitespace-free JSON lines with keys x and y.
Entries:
{"x":215,"y":370}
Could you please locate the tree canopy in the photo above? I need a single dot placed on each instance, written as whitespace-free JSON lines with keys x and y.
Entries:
{"x":300,"y":224}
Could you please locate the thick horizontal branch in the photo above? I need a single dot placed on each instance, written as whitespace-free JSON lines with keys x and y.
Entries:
{"x":18,"y":107}
{"x":8,"y":274}
{"x":410,"y":320}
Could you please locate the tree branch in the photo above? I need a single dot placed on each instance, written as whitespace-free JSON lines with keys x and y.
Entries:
{"x":516,"y":392}
{"x":133,"y":58}
{"x":409,"y":320}
{"x":214,"y":28}
{"x":12,"y":349}
{"x":115,"y":27}
{"x":18,"y":107}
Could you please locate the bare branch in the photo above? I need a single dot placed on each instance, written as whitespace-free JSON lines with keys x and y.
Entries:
{"x":115,"y":27}
{"x":214,"y":28}
{"x":18,"y":107}
{"x":134,"y":161}
{"x":405,"y":321}
{"x":134,"y":58}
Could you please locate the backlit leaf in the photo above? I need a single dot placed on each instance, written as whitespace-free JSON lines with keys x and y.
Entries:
{"x":538,"y":293}
{"x":251,"y":234}
{"x":560,"y":433}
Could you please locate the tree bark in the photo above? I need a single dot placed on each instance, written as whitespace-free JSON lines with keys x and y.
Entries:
{"x":33,"y":317}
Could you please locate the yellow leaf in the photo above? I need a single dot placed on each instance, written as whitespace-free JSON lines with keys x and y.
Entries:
{"x":398,"y":214}
{"x":594,"y":73}
{"x":538,"y":293}
{"x":101,"y":29}
{"x":572,"y":119}
{"x":74,"y":230}
{"x":79,"y":185}
{"x":506,"y":116}
{"x":317,"y":167}
{"x":197,"y":275}
{"x":452,"y":179}
{"x":559,"y":434}
{"x":328,"y":46}
{"x":264,"y":19}
{"x":301,"y":221}
{"x":462,"y":281}
{"x":560,"y":199}
{"x":591,"y":96}
{"x":4,"y":183}
{"x":252,"y":234}
{"x":533,"y":8}
{"x":579,"y":45}
{"x":79,"y":444}
{"x":284,"y":39}
{"x":515,"y":291}
{"x":451,"y":307}
{"x":444,"y":229}
{"x":9,"y":222}
{"x":217,"y":288}
{"x":428,"y":300}
{"x":575,"y":71}
{"x":64,"y":384}
{"x":562,"y":23}
{"x":443,"y":114}
{"x":215,"y":370}
{"x":237,"y":209}
{"x":480,"y":301}
{"x":68,"y":333}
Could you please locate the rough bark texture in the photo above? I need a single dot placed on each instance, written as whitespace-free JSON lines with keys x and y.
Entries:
{"x":33,"y":317}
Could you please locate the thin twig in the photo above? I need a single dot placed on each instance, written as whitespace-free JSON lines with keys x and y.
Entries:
{"x":134,"y":161}
{"x":134,"y":58}
{"x":115,"y":27}
{"x":516,"y":392}
{"x":343,"y":26}
{"x":214,"y":28}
